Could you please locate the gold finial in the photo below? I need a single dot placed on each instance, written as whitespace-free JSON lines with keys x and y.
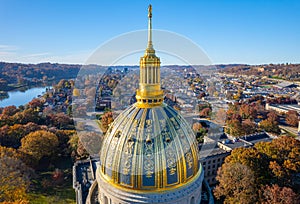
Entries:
{"x":150,"y":11}
{"x":150,"y":46}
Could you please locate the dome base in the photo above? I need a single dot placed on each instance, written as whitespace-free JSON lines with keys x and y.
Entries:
{"x":190,"y":193}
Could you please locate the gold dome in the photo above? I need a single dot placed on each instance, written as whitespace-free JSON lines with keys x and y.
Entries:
{"x":149,"y":149}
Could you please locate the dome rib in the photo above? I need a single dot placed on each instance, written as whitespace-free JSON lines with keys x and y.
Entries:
{"x":124,"y":143}
{"x":178,"y":151}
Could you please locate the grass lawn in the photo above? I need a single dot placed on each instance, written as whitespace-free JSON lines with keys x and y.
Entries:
{"x":58,"y":196}
{"x":46,"y":191}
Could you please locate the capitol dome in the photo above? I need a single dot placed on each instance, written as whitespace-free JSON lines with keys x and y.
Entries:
{"x":149,"y":153}
{"x":149,"y":149}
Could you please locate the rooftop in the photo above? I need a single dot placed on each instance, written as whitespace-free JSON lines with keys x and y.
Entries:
{"x":83,"y":177}
{"x":284,"y":84}
{"x":286,"y":107}
{"x":255,"y":138}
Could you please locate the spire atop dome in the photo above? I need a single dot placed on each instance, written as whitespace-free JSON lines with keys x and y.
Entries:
{"x":150,"y":46}
{"x":149,"y":93}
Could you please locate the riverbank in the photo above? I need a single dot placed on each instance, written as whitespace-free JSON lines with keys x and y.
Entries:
{"x":22,"y":95}
{"x":11,"y":89}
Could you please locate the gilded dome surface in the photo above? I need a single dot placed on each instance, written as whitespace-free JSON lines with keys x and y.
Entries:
{"x":149,"y":149}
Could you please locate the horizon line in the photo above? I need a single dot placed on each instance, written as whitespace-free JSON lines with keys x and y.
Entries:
{"x":214,"y":64}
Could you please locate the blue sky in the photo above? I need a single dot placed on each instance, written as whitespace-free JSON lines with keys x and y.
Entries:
{"x":229,"y":31}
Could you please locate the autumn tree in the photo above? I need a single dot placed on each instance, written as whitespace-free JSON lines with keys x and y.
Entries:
{"x":234,"y":127}
{"x":63,"y":140}
{"x":276,"y":162}
{"x":252,"y":158}
{"x":206,"y":112}
{"x":248,"y":127}
{"x":9,"y":110}
{"x":35,"y":103}
{"x":10,"y":136}
{"x":272,"y":115}
{"x":236,"y":184}
{"x":26,"y":116}
{"x":220,"y":117}
{"x":234,"y":116}
{"x":200,"y":131}
{"x":64,"y":83}
{"x":5,"y":120}
{"x":106,"y":120}
{"x":14,"y":178}
{"x":270,"y":124}
{"x":39,"y":144}
{"x":247,"y":111}
{"x":78,"y":150}
{"x":76,"y":92}
{"x":291,"y":118}
{"x":284,"y":159}
{"x":276,"y":194}
{"x":60,"y":121}
{"x":197,"y":126}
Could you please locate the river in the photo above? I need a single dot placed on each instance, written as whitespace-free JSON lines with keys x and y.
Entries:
{"x":18,"y":98}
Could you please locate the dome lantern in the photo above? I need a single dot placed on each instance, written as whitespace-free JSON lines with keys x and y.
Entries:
{"x":149,"y":93}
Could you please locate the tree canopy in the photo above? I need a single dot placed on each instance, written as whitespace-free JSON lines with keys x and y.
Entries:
{"x":270,"y":163}
{"x":237,"y":184}
{"x":39,"y":144}
{"x":14,"y":177}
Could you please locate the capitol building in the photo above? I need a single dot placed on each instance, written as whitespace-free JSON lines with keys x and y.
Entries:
{"x":149,"y":153}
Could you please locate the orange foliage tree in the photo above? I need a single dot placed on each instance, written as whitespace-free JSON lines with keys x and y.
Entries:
{"x":276,"y":162}
{"x":276,"y":194}
{"x":39,"y":144}
{"x":236,"y":184}
{"x":14,"y":177}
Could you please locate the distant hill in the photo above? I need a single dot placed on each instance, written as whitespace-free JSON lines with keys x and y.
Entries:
{"x":16,"y":74}
{"x":277,"y":71}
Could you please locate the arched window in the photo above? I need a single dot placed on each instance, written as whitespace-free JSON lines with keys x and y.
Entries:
{"x":193,"y":200}
{"x":105,"y":200}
